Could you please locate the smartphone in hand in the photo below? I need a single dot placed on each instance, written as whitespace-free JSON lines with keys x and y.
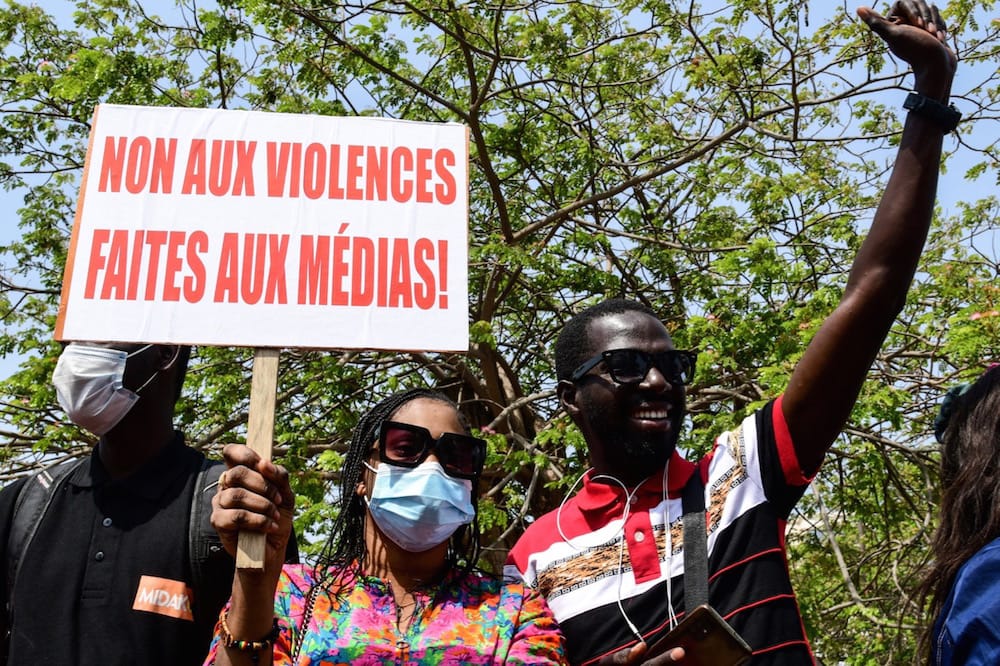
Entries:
{"x":707,"y":639}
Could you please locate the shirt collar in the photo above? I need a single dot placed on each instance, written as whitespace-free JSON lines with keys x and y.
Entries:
{"x":149,"y":482}
{"x":600,"y":496}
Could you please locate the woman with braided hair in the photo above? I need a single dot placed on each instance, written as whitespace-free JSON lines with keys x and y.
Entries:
{"x":396,"y":581}
{"x":962,"y":587}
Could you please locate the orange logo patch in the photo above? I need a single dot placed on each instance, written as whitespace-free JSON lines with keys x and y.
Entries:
{"x":164,"y":596}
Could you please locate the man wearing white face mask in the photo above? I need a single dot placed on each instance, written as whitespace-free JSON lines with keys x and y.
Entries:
{"x":111,"y":559}
{"x":89,"y":383}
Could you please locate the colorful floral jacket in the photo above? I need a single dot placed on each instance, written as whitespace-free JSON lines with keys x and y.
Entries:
{"x":468,"y":619}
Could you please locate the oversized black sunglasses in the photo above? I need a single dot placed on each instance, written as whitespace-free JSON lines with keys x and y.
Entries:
{"x":407,"y":445}
{"x":630,"y":366}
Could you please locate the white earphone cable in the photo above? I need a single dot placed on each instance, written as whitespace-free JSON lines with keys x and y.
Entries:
{"x":672,"y":616}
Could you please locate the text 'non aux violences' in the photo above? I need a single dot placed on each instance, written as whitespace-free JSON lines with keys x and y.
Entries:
{"x":352,"y":172}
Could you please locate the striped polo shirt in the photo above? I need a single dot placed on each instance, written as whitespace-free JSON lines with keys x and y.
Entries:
{"x":608,"y":545}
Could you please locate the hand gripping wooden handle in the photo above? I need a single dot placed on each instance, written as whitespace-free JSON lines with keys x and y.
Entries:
{"x":260,"y":435}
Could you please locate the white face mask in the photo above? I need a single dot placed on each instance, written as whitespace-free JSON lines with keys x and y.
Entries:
{"x":88,"y":382}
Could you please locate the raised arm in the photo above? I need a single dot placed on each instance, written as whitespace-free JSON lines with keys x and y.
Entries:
{"x":254,"y":496}
{"x":825,"y":384}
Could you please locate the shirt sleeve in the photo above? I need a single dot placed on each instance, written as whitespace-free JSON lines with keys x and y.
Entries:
{"x":512,"y":573}
{"x":973,"y":621}
{"x":282,"y":648}
{"x":537,"y":638}
{"x":781,"y":476}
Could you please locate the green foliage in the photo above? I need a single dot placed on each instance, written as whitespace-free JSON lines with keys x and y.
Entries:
{"x":719,"y":163}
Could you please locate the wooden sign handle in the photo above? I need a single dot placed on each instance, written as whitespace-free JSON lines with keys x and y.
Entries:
{"x":260,"y":435}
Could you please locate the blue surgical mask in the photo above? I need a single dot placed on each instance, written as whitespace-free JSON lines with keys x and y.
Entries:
{"x":420,"y":507}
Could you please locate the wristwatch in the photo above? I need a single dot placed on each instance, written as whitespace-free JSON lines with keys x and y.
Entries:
{"x":946,"y":117}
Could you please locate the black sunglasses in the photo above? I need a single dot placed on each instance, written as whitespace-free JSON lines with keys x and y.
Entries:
{"x":407,"y":445}
{"x":630,"y":366}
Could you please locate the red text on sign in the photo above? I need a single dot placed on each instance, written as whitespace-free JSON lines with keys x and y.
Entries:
{"x":386,"y":272}
{"x":220,"y":167}
{"x":143,"y":164}
{"x":225,"y":167}
{"x":252,"y":269}
{"x":115,"y":271}
{"x":361,"y":173}
{"x":341,"y":270}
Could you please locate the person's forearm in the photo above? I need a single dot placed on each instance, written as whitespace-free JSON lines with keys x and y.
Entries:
{"x":888,"y":258}
{"x":826,"y":381}
{"x":250,"y":618}
{"x":889,"y":255}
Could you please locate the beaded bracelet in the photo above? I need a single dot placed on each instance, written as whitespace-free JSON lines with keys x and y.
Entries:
{"x":254,"y":647}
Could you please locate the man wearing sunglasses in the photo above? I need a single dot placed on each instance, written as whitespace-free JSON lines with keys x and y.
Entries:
{"x":610,"y":560}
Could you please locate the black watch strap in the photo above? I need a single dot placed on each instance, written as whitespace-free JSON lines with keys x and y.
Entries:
{"x":945,"y":117}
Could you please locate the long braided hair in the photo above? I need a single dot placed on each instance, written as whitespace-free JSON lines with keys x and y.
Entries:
{"x":969,"y":430}
{"x":345,"y":548}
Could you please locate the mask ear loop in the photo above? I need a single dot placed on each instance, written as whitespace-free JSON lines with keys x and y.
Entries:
{"x":146,"y":383}
{"x":374,"y":471}
{"x":140,"y":350}
{"x":177,"y":352}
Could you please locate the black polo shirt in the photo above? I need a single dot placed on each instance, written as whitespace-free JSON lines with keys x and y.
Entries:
{"x":106,"y":579}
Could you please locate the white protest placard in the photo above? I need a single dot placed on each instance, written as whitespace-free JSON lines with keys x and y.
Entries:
{"x":243,"y":228}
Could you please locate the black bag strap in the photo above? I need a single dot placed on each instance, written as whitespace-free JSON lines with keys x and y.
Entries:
{"x":205,"y":552}
{"x":36,"y":495}
{"x":29,"y":508}
{"x":203,"y":542}
{"x":695,"y":543}
{"x":207,"y":558}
